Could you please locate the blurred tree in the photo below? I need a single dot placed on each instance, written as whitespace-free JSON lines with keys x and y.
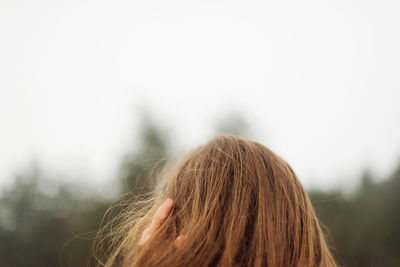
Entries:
{"x":233,"y":123}
{"x":36,"y":226}
{"x":141,"y":166}
{"x":364,"y":225}
{"x":45,"y":222}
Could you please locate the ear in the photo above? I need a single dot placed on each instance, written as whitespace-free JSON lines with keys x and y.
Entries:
{"x":180,"y":241}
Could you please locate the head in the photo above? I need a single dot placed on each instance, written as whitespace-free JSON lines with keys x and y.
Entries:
{"x":236,"y":202}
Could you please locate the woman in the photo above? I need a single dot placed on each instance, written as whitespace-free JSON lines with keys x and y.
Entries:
{"x":230,"y":202}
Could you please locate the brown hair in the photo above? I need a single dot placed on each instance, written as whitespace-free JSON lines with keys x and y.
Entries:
{"x":238,"y":204}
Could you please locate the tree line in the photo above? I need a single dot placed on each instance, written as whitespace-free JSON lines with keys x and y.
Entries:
{"x":46,"y":222}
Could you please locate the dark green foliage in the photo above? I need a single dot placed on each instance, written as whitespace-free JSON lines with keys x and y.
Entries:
{"x":44,"y":223}
{"x":42,"y":229}
{"x":57,"y":228}
{"x":364,"y":225}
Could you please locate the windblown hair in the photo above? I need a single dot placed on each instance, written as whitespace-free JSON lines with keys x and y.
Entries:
{"x":237,"y":203}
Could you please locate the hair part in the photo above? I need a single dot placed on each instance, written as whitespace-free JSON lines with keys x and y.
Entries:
{"x":238,"y":204}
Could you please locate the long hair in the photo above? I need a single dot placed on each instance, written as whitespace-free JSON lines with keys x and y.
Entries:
{"x":236,"y":202}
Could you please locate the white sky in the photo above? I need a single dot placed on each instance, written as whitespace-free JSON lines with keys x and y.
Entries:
{"x":318,"y":80}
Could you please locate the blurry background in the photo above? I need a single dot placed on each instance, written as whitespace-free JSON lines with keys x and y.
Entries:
{"x":93,"y":93}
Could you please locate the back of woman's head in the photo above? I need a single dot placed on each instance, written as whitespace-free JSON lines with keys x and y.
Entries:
{"x":237,"y":204}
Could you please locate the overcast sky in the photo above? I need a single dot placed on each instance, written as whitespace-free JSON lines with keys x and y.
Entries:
{"x":318,"y":80}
